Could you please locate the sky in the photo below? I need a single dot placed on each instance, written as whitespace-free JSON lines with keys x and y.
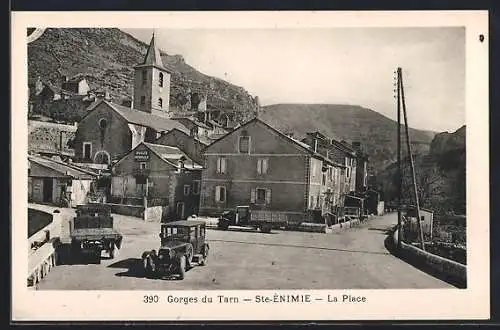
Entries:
{"x":335,"y":65}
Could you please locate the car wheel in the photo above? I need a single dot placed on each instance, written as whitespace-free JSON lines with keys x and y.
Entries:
{"x":182,"y":267}
{"x":189,"y":257}
{"x":266,"y":228}
{"x":204,"y":260}
{"x":112,"y":249}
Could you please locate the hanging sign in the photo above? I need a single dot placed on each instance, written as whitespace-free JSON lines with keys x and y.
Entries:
{"x":141,"y":155}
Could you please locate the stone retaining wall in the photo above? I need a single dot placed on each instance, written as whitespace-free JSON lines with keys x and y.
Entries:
{"x":448,"y":269}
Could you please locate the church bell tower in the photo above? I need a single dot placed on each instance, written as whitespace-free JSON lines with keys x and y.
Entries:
{"x":152,"y":83}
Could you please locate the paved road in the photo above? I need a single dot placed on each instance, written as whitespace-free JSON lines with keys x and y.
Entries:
{"x":353,"y":259}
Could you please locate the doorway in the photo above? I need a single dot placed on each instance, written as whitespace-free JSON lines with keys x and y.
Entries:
{"x":180,"y":210}
{"x":47,"y":190}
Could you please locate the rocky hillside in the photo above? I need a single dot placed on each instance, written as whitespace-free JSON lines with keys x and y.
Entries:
{"x":107,"y":56}
{"x":376,"y":132}
{"x":440,"y":175}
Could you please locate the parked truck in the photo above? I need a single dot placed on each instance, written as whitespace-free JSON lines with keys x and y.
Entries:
{"x":244,"y":216}
{"x":92,"y":232}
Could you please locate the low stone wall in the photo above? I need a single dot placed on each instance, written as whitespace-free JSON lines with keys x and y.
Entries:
{"x":130,"y":210}
{"x":53,"y":229}
{"x":449,"y":270}
{"x":153,"y":214}
{"x":42,"y":246}
{"x":149,"y":214}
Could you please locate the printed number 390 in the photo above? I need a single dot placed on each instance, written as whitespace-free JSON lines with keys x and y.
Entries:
{"x":151,"y":299}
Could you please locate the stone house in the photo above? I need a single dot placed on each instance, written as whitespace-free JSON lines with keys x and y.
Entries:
{"x":158,"y":175}
{"x":49,"y":139}
{"x":54,"y":182}
{"x":77,"y":85}
{"x":361,"y":168}
{"x":259,"y":166}
{"x":190,"y":145}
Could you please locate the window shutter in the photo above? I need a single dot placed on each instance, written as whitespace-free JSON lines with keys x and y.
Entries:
{"x":217,"y":193}
{"x":218,"y":165}
{"x":252,"y":195}
{"x":265,"y":165}
{"x":268,"y":196}
{"x":223,"y":165}
{"x":259,"y":166}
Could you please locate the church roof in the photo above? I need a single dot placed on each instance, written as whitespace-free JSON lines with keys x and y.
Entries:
{"x":153,"y":56}
{"x":145,"y":119}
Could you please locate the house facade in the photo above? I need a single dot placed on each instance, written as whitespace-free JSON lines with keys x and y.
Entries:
{"x":54,"y":182}
{"x":75,"y":85}
{"x":361,"y":168}
{"x":153,"y":175}
{"x":259,"y":166}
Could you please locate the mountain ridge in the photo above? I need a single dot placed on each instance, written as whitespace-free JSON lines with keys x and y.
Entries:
{"x":352,"y":123}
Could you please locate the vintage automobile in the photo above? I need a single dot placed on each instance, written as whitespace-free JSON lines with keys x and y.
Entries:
{"x":182,"y":246}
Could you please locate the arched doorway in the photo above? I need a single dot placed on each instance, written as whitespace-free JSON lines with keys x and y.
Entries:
{"x":102,"y":157}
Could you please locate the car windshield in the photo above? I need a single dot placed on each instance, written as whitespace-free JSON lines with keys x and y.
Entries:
{"x":181,"y":233}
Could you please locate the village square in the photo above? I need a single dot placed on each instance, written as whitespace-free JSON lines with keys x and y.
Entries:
{"x":233,"y":202}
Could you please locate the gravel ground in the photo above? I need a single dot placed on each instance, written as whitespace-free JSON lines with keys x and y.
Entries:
{"x":353,"y":259}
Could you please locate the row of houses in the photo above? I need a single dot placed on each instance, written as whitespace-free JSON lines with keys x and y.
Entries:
{"x":145,"y":155}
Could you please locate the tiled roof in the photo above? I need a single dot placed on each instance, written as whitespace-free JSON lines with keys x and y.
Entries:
{"x":192,"y":120}
{"x":146,"y":119}
{"x":62,"y":168}
{"x":172,"y":155}
{"x":202,"y":141}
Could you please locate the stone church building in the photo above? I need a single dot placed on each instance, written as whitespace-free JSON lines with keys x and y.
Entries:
{"x":109,"y":130}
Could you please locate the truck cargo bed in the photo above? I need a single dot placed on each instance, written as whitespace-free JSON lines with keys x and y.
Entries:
{"x":95,"y":234}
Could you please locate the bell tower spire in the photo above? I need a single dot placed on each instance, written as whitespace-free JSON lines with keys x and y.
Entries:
{"x":152,"y":82}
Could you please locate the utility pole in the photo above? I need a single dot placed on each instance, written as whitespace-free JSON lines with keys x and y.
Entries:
{"x":412,"y":166}
{"x":399,"y":154}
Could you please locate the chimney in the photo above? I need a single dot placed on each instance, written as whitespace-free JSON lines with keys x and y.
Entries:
{"x":127,"y":103}
{"x":181,"y":163}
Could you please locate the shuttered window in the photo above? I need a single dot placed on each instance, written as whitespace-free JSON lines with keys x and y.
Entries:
{"x":221,"y":165}
{"x":260,"y":196}
{"x":220,"y":194}
{"x":262,"y":165}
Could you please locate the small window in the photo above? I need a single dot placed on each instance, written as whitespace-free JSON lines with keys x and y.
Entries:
{"x":143,"y":165}
{"x":87,"y":150}
{"x":262,"y":165}
{"x":220,"y":194}
{"x":160,"y":82}
{"x":196,"y":187}
{"x":323,"y":179}
{"x":244,"y":144}
{"x":221,"y":165}
{"x":143,"y":100}
{"x":103,"y":123}
{"x":186,"y":189}
{"x":261,"y":196}
{"x":160,"y":102}
{"x":144,"y":77}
